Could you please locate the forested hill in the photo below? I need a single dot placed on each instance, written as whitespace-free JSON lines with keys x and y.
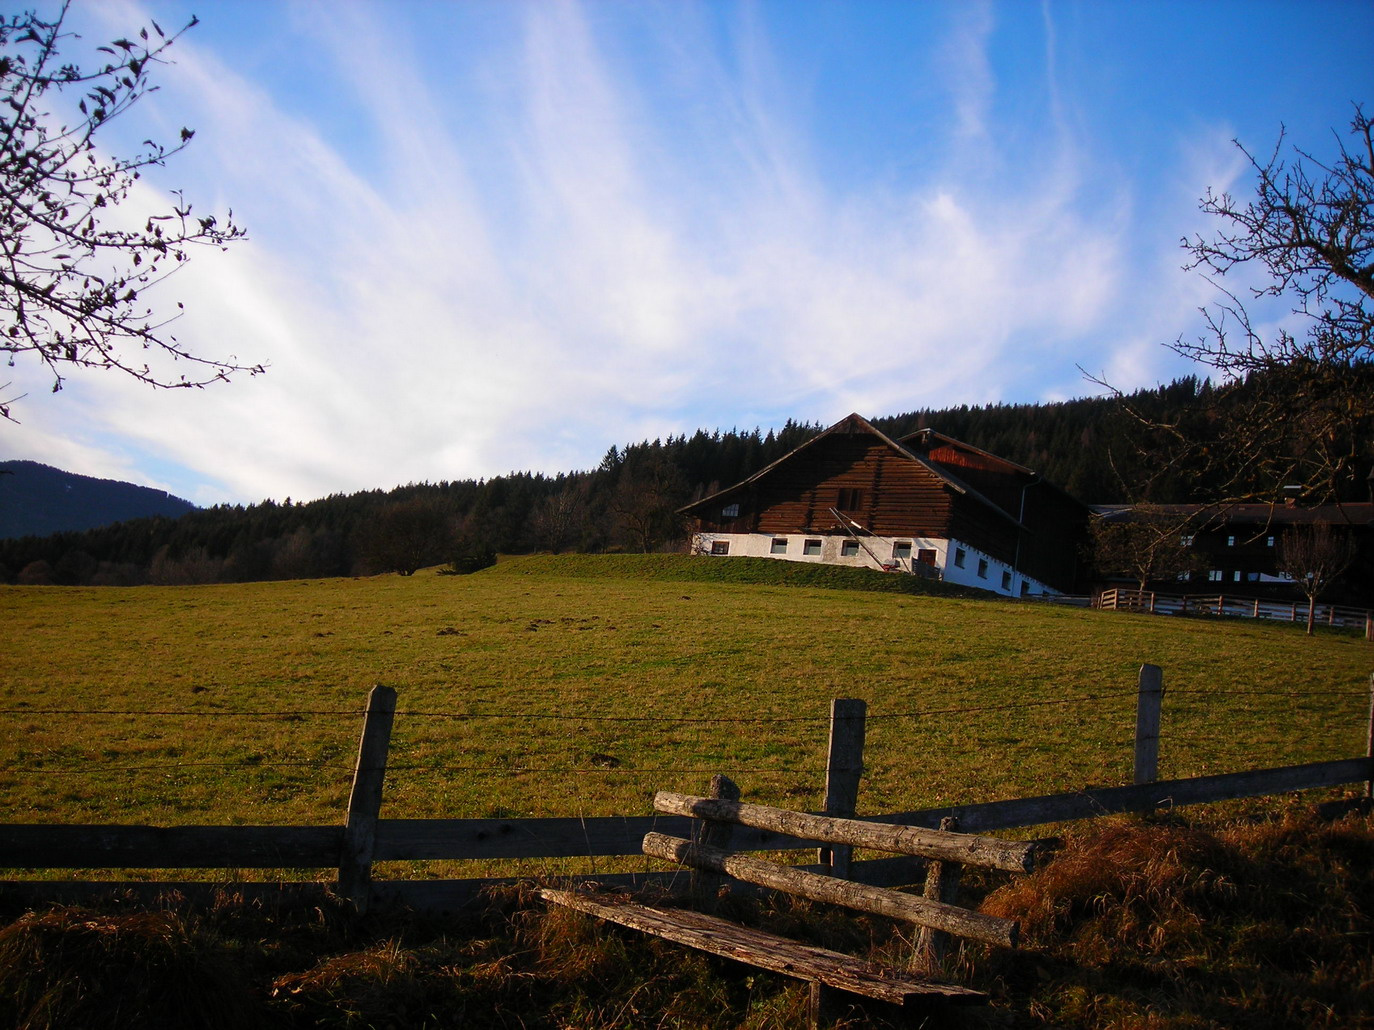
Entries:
{"x":627,"y":503}
{"x":37,"y":498}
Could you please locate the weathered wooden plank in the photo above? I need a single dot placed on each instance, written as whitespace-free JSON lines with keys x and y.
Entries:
{"x":41,"y":846}
{"x":764,"y":950}
{"x":365,"y":800}
{"x":1094,"y":802}
{"x":45,"y":846}
{"x":913,"y":909}
{"x":1149,"y":698}
{"x":706,"y":885}
{"x":965,"y":848}
{"x":459,"y":839}
{"x":843,"y":770}
{"x":942,"y":884}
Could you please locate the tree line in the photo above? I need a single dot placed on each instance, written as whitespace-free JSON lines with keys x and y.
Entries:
{"x":629,"y":502}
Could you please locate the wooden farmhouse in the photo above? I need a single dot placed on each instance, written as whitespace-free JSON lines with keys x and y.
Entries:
{"x":1238,"y":548}
{"x":925,"y":505}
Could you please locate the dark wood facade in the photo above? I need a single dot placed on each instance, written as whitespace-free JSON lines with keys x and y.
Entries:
{"x":1238,"y":548}
{"x":927,"y":486}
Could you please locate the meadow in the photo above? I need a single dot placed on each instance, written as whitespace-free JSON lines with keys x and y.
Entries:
{"x":579,"y":685}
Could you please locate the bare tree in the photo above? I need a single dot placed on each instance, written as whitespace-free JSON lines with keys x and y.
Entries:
{"x":73,"y":273}
{"x":1293,"y":405}
{"x":1147,"y":543}
{"x":1314,"y":557}
{"x":1301,"y":404}
{"x":405,"y":536}
{"x":558,"y":521}
{"x":646,"y":499}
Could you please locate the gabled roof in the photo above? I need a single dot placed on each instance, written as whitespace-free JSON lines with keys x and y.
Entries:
{"x":1354,"y":513}
{"x":928,"y":435}
{"x":855,"y":423}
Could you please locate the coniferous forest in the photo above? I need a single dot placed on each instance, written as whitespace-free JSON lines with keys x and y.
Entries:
{"x":1090,"y":447}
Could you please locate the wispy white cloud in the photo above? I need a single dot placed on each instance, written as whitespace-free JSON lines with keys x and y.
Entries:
{"x":614,"y":258}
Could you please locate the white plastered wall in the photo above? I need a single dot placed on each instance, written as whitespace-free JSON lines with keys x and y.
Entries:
{"x":956,"y":561}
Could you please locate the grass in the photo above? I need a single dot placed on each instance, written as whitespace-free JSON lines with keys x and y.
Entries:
{"x":578,"y":686}
{"x":560,"y":686}
{"x":1137,"y":924}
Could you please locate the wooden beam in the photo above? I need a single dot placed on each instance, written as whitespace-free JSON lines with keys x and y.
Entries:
{"x":559,"y":837}
{"x":913,"y":909}
{"x":44,"y":846}
{"x":964,"y":848}
{"x":764,"y":950}
{"x":1149,"y":696}
{"x":706,"y":885}
{"x":365,"y":800}
{"x":1093,"y":802}
{"x":843,"y":771}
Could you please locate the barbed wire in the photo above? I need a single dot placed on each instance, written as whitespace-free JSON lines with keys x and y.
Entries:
{"x":492,"y":769}
{"x":819,"y":720}
{"x":1283,"y":693}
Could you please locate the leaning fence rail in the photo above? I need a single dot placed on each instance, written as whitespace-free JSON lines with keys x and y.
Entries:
{"x":349,"y":851}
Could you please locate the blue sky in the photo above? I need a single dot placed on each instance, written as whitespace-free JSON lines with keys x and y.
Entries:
{"x":499,"y":235}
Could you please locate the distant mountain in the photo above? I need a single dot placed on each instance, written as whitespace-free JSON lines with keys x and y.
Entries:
{"x":39,"y":500}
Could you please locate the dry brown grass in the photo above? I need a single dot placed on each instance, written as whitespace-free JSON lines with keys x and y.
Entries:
{"x":1165,"y":924}
{"x":1171,"y":924}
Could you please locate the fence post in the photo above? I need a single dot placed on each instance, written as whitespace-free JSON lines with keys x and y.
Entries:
{"x":705,"y":885}
{"x":365,"y":800}
{"x":942,"y":884}
{"x":1148,"y":697}
{"x":1369,"y":747}
{"x":843,"y":770}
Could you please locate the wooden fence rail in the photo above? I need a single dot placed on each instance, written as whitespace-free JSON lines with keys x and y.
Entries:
{"x":1234,"y":606}
{"x":352,"y":849}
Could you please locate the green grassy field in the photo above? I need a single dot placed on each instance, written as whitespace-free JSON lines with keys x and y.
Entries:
{"x":579,"y":685}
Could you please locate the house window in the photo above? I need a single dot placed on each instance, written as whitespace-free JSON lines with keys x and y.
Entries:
{"x":1231,"y":540}
{"x":850,"y":499}
{"x":1269,"y":541}
{"x":1025,"y":588}
{"x":1235,"y":576}
{"x":720,"y":546}
{"x":811,"y":547}
{"x":849,"y":549}
{"x":779,"y":545}
{"x":730,"y":511}
{"x":901,"y":549}
{"x":1006,"y":581}
{"x":982,"y":568}
{"x":1186,"y":540}
{"x":1214,"y":575}
{"x":959,"y":557}
{"x":926,"y":556}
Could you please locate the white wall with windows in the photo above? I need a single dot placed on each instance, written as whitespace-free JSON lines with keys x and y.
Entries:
{"x":955,"y":561}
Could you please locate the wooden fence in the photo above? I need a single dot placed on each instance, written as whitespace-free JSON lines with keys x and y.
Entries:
{"x":1235,"y":606}
{"x":350,"y":850}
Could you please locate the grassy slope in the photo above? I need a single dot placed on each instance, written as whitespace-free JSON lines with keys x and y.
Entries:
{"x":577,"y":640}
{"x":1159,"y":925}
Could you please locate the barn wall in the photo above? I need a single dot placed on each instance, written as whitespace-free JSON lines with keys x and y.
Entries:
{"x":897,"y":496}
{"x":956,"y":561}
